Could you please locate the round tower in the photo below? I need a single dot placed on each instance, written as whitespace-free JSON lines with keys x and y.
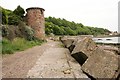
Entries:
{"x":35,"y":19}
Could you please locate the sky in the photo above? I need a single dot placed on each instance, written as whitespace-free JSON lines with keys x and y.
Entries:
{"x":95,"y":13}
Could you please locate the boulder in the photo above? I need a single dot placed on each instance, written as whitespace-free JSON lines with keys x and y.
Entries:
{"x":83,"y":49}
{"x":111,"y":48}
{"x":67,"y":40}
{"x":101,"y":64}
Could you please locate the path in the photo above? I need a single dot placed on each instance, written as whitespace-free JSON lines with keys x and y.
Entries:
{"x":46,"y":61}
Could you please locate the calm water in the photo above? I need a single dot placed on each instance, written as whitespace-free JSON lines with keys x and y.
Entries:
{"x":114,"y":40}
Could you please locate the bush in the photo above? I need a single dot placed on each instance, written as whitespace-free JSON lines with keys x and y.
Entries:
{"x":26,"y":31}
{"x":6,"y":47}
{"x":10,"y":32}
{"x":22,"y":30}
{"x":14,"y":19}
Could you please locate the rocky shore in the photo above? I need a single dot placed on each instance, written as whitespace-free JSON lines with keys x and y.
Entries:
{"x":97,"y":61}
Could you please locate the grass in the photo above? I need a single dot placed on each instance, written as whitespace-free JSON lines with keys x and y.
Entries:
{"x":18,"y":44}
{"x":62,"y":45}
{"x":0,"y":47}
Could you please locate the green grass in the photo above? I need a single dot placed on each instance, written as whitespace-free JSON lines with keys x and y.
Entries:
{"x":62,"y":45}
{"x":18,"y":44}
{"x":0,"y":47}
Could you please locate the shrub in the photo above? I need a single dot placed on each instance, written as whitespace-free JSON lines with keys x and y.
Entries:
{"x":22,"y":30}
{"x":9,"y":32}
{"x":26,"y":31}
{"x":14,"y":19}
{"x":6,"y":47}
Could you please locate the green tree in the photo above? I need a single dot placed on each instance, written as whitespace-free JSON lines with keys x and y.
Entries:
{"x":4,"y":17}
{"x":19,"y":11}
{"x":69,"y":31}
{"x":14,"y":19}
{"x":63,"y":27}
{"x":57,"y":30}
{"x":49,"y":27}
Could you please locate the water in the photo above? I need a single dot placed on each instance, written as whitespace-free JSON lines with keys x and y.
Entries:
{"x":112,"y":40}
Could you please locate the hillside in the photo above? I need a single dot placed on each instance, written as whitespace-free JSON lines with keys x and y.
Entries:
{"x":59,"y":26}
{"x":53,"y":25}
{"x":16,"y":35}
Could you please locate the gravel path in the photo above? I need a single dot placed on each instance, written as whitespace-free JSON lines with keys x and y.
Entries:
{"x":49,"y":60}
{"x":18,"y":64}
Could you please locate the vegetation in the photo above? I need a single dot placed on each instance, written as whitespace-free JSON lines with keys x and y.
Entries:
{"x":12,"y":17}
{"x":18,"y":36}
{"x":53,"y":25}
{"x":19,"y":11}
{"x":18,"y":44}
{"x":0,"y":48}
{"x":59,"y":26}
{"x":10,"y":32}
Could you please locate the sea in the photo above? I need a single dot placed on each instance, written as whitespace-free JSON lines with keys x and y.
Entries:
{"x":111,"y":40}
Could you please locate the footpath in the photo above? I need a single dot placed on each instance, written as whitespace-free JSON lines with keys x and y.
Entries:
{"x":49,"y":60}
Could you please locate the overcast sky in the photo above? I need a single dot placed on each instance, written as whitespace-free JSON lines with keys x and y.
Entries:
{"x":95,"y":13}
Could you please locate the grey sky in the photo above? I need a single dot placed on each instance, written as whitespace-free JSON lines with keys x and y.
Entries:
{"x":95,"y":13}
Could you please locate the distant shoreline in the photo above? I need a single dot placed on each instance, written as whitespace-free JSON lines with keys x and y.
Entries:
{"x":103,"y":36}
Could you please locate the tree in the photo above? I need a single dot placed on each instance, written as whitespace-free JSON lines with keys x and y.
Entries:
{"x":69,"y":31}
{"x":63,"y":27}
{"x":57,"y":30}
{"x":19,"y":11}
{"x":4,"y":17}
{"x":14,"y":19}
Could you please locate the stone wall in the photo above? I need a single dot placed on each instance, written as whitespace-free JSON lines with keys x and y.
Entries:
{"x":35,"y":19}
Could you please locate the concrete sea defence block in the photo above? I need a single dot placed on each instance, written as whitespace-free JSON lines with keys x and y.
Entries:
{"x":83,"y":49}
{"x":68,"y":42}
{"x":97,"y":62}
{"x":101,"y":64}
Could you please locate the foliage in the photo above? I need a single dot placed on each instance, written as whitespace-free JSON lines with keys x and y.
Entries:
{"x":17,"y":36}
{"x":18,"y":44}
{"x":11,"y":18}
{"x":19,"y":11}
{"x":63,"y":27}
{"x":22,"y":30}
{"x":9,"y":31}
{"x":14,"y":19}
{"x":26,"y":31}
{"x":4,"y":16}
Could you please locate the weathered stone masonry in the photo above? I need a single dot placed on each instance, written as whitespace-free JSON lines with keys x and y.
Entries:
{"x":35,"y":19}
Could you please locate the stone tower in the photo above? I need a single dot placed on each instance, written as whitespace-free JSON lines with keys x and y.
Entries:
{"x":35,"y":19}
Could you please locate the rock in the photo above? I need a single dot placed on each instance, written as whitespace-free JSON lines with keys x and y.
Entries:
{"x":101,"y":64}
{"x":83,"y":49}
{"x":56,"y":38}
{"x":67,"y":72}
{"x":111,"y":48}
{"x":71,"y":47}
{"x":67,"y":41}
